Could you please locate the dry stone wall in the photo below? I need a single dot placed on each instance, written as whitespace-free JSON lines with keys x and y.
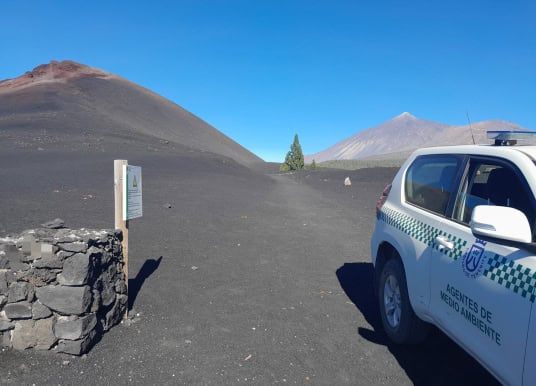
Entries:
{"x":60,"y":289}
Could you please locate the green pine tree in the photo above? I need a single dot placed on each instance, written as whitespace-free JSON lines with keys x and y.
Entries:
{"x":294,"y":158}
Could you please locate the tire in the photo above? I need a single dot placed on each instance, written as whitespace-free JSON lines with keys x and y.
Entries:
{"x":398,"y":318}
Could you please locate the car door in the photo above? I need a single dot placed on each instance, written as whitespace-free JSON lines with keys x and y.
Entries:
{"x":428,"y":187}
{"x":482,"y":290}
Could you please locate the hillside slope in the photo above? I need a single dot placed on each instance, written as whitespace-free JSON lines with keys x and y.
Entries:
{"x":72,"y":105}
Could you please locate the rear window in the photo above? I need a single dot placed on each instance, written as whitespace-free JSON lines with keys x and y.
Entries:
{"x":430,"y":182}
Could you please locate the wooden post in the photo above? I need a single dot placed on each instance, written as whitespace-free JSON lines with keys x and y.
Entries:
{"x":119,"y":222}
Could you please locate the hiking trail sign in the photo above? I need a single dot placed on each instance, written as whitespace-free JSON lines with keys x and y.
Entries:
{"x":132,"y":192}
{"x":128,"y":205}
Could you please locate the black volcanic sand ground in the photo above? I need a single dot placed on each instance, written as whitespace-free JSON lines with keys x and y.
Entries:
{"x":249,"y":277}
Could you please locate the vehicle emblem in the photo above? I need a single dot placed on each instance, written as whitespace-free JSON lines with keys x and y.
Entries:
{"x":473,"y":260}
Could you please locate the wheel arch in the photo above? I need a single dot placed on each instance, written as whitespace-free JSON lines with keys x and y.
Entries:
{"x":386,"y":251}
{"x":398,"y":317}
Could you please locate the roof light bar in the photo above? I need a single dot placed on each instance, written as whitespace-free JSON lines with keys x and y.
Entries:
{"x":510,"y":137}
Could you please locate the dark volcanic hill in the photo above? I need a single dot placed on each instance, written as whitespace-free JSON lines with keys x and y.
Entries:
{"x":398,"y":137}
{"x":72,"y":106}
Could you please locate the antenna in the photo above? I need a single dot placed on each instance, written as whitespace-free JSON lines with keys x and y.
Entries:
{"x":470,"y":127}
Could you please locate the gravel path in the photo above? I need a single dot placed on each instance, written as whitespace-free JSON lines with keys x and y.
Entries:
{"x":237,"y":277}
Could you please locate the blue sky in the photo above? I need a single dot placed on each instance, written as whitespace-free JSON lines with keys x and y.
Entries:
{"x":261,"y":71}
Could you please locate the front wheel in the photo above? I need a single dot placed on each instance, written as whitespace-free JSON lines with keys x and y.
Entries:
{"x":398,"y":318}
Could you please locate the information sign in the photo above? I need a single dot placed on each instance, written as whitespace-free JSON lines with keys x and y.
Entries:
{"x":132,"y":192}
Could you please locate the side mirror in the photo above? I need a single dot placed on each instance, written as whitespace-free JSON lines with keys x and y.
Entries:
{"x":501,"y":222}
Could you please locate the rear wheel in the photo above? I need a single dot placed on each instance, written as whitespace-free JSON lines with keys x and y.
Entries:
{"x":398,"y":319}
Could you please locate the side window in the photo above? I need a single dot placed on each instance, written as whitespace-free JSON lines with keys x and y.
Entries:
{"x":493,"y":183}
{"x":430,"y":181}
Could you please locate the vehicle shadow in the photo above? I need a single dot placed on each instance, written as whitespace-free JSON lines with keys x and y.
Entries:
{"x":437,"y":361}
{"x":134,"y":285}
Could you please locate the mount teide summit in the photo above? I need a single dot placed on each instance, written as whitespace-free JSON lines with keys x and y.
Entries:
{"x":76,"y":107}
{"x":398,"y":137}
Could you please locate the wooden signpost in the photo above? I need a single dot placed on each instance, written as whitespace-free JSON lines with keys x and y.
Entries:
{"x":128,"y":204}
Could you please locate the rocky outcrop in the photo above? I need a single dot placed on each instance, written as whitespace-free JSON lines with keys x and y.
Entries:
{"x":53,"y":71}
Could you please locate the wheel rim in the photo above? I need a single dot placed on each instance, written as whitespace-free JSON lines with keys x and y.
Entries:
{"x":391,"y":301}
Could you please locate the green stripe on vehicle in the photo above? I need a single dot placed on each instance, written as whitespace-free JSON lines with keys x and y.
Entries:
{"x":507,"y":273}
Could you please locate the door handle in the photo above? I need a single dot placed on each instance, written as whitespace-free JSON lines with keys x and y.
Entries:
{"x":443,"y":243}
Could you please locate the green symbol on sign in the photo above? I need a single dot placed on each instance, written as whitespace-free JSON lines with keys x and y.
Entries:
{"x":134,"y":183}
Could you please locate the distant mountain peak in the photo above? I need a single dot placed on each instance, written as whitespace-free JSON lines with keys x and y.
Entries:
{"x":399,"y":136}
{"x":53,"y":71}
{"x":405,"y":115}
{"x":403,"y":132}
